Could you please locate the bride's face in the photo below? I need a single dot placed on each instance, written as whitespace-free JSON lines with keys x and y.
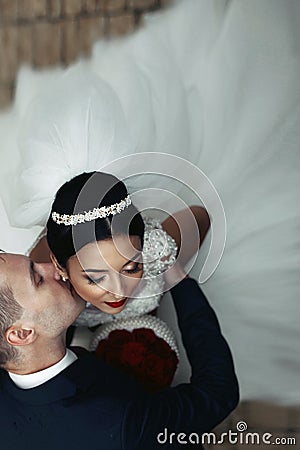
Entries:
{"x":106,"y":273}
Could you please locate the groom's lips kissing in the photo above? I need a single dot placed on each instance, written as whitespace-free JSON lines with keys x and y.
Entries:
{"x":116,"y":304}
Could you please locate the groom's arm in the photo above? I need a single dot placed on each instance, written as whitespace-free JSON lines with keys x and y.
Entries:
{"x":213,"y":391}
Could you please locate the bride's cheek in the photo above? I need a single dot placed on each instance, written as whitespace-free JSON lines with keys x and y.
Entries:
{"x":95,"y":293}
{"x":87,"y":292}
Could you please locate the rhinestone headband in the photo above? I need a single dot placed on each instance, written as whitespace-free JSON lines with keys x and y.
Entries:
{"x":93,"y":214}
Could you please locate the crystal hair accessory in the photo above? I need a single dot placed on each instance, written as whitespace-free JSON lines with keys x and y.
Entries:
{"x":93,"y":214}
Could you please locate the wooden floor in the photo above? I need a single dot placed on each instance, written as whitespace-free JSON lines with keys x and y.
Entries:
{"x":265,"y":419}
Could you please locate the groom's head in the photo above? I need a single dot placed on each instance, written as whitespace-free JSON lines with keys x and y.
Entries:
{"x":35,"y":307}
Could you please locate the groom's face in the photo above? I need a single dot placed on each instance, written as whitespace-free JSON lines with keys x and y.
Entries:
{"x":47,"y":302}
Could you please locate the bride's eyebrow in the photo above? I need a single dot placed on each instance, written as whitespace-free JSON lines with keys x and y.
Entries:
{"x":94,"y":270}
{"x":134,"y":258}
{"x":105,"y":270}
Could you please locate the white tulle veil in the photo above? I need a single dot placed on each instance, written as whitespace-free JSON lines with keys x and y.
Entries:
{"x":76,"y":127}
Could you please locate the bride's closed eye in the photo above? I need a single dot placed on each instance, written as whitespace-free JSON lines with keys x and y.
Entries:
{"x":138,"y":267}
{"x":95,"y":281}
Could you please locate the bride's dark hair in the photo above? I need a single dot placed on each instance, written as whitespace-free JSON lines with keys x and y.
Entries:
{"x":83,"y":193}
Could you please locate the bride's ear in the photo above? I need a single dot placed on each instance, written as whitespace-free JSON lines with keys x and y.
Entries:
{"x":60,"y":270}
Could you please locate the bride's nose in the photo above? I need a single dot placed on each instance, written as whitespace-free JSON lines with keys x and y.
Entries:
{"x":117,"y":288}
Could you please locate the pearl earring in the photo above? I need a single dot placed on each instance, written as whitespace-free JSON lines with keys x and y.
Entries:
{"x":64,"y":279}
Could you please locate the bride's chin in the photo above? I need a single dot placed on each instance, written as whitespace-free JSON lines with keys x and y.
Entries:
{"x":110,"y":312}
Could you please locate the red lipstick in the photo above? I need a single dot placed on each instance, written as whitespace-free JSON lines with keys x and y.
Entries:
{"x":116,"y":304}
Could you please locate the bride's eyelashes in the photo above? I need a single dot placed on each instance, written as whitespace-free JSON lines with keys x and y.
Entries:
{"x":138,"y":267}
{"x":93,"y":281}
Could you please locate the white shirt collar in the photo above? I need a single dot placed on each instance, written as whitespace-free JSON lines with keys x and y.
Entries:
{"x":32,"y":380}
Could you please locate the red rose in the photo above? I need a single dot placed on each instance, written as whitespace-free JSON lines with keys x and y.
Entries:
{"x":119,"y":337}
{"x":158,"y":372}
{"x":152,"y":367}
{"x":133,"y":353}
{"x":161,"y":347}
{"x":144,"y":335}
{"x":108,"y":353}
{"x":171,"y":362}
{"x":142,"y":354}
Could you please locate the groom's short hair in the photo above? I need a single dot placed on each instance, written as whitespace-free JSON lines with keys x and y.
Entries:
{"x":10,"y":312}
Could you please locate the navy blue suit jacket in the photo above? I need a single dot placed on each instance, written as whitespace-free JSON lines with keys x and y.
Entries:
{"x":92,"y":406}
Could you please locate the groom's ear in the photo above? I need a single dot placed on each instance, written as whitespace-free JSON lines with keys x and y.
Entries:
{"x":61,"y":271}
{"x":18,"y":335}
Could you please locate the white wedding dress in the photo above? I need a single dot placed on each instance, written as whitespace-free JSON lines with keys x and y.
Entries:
{"x":218,"y":84}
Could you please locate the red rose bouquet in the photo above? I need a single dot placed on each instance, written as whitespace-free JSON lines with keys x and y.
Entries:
{"x":143,"y":347}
